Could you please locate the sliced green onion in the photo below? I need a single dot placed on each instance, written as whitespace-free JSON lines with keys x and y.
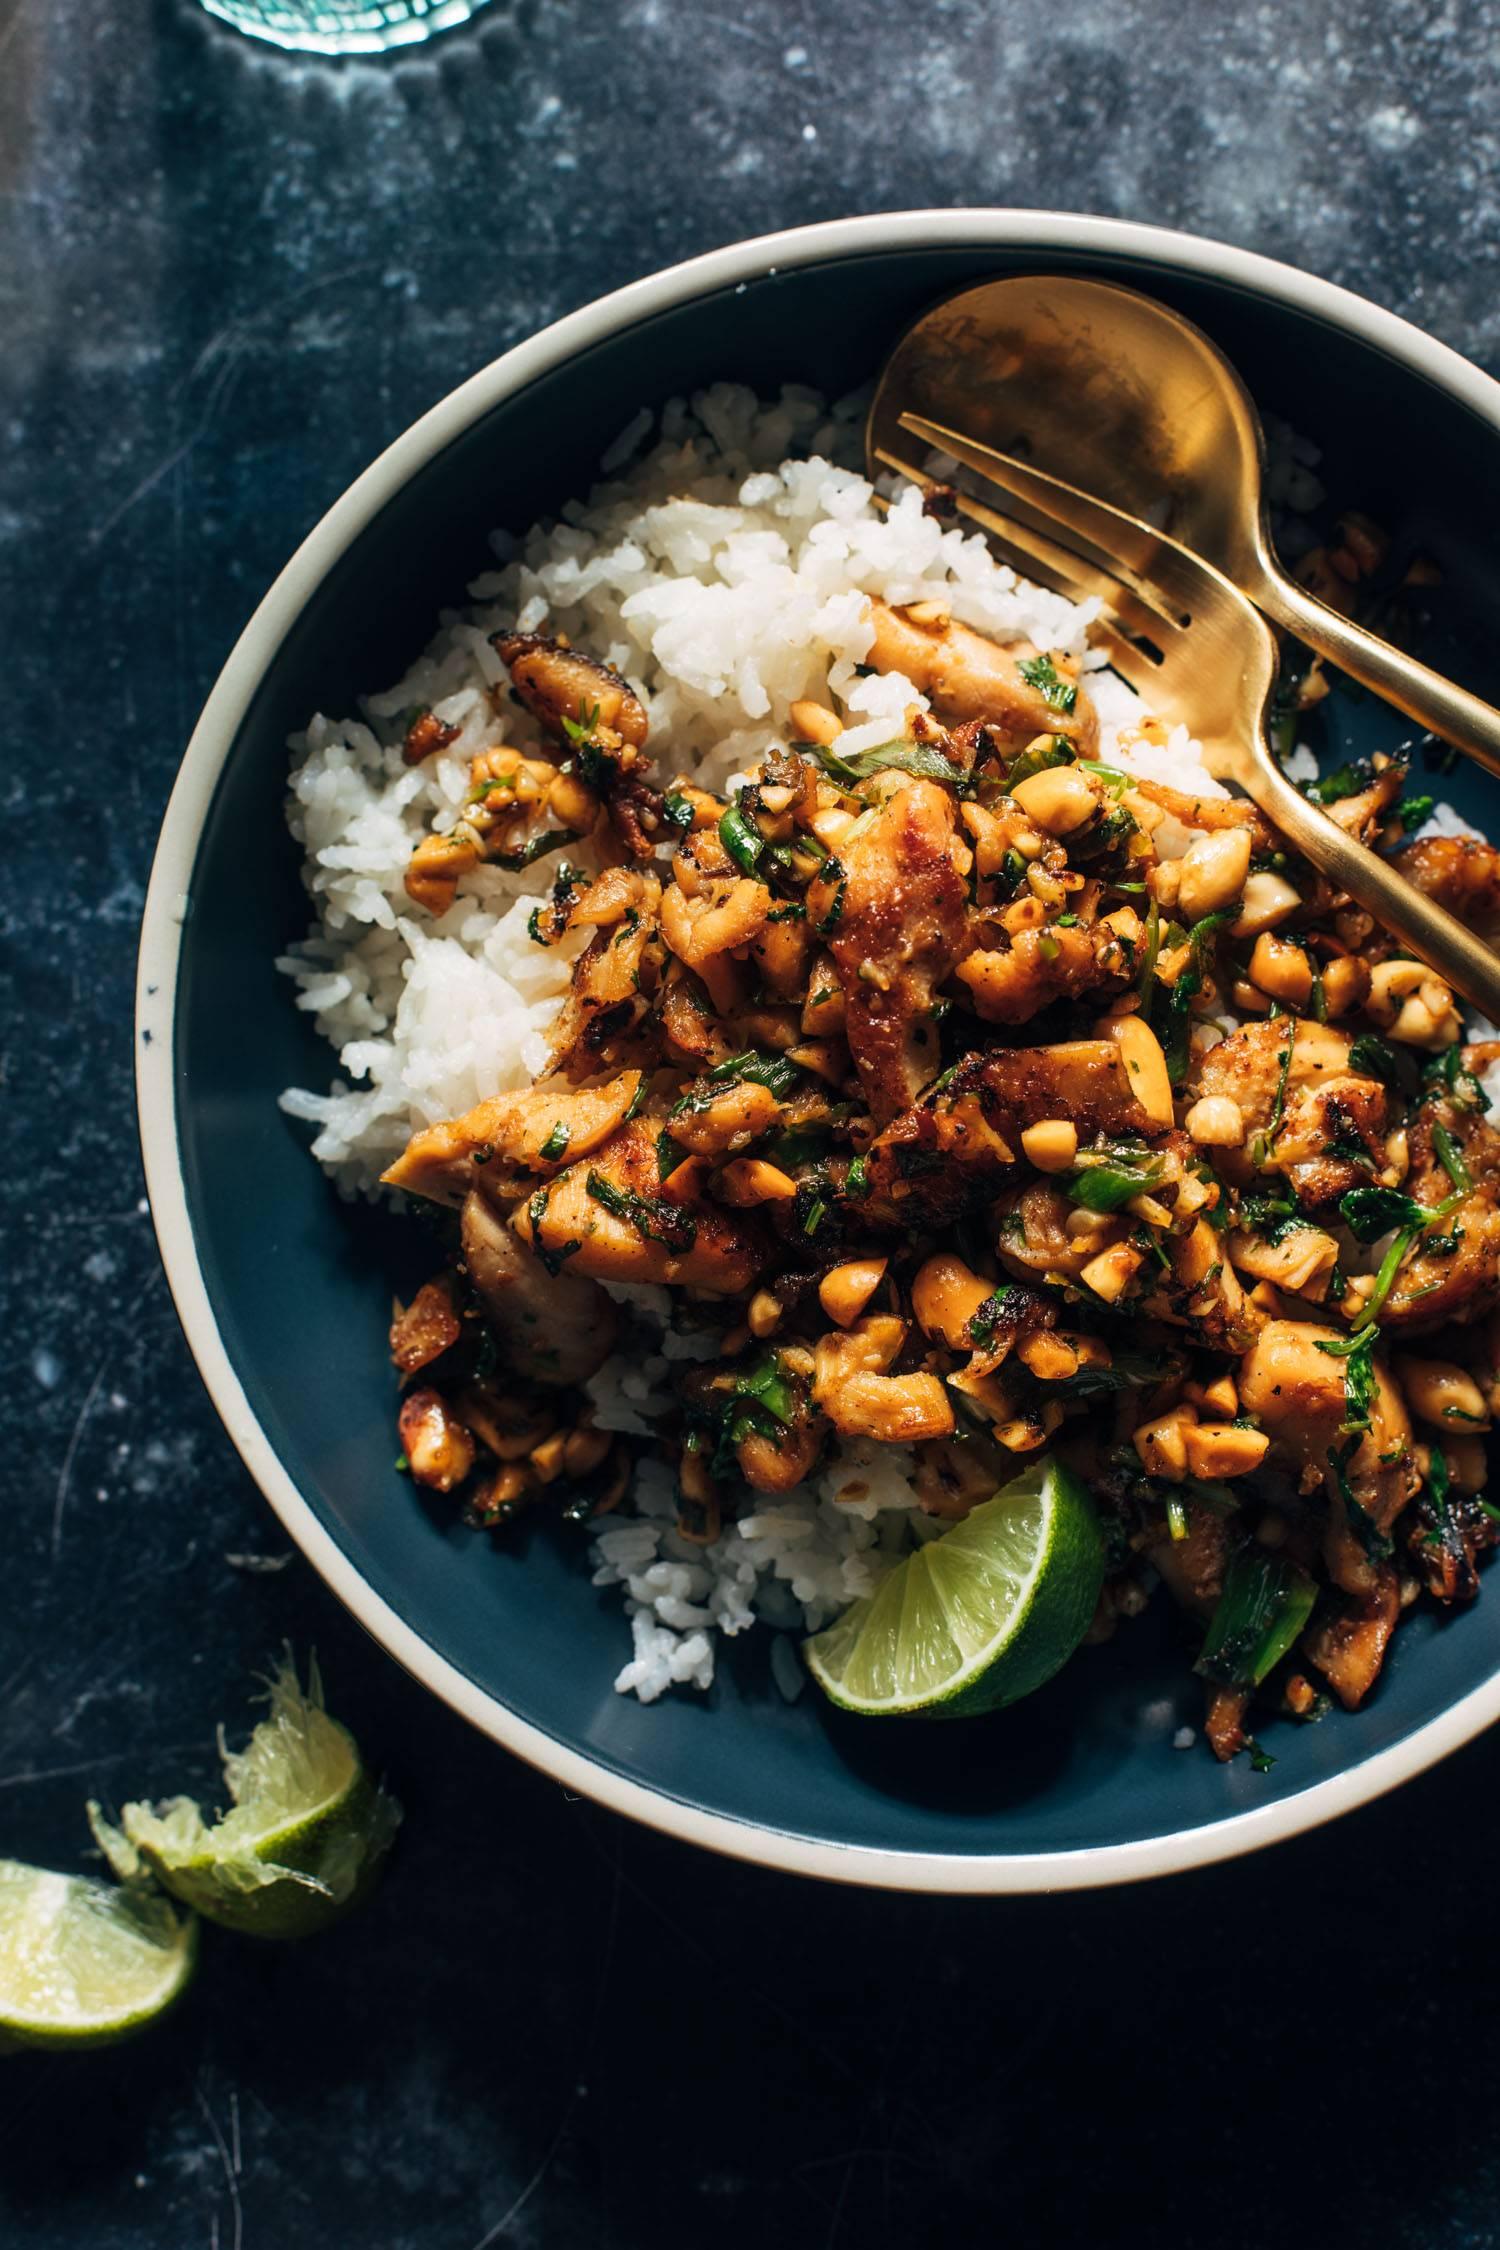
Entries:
{"x":1265,"y":1604}
{"x":1111,"y":1185}
{"x":742,"y":840}
{"x":1450,"y":1156}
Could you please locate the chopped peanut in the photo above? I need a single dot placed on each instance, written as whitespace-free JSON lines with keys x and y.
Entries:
{"x":945,"y":1296}
{"x":1218,"y":1449}
{"x":1058,"y":799}
{"x":844,"y":1291}
{"x":750,"y":1179}
{"x":1052,"y":1145}
{"x":1216,"y":1122}
{"x":1162,"y":1444}
{"x":1213,"y":873}
{"x":439,"y":1450}
{"x":1282,"y":969}
{"x":1268,"y":899}
{"x":1111,"y":1273}
{"x":814,"y":723}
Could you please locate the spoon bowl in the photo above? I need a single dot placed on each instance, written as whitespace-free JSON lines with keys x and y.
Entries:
{"x":1123,"y":397}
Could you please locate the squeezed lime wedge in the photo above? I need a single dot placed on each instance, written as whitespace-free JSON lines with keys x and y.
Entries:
{"x":303,"y":1842}
{"x":979,"y":1617}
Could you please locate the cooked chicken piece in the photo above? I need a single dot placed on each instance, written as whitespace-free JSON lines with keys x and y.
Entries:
{"x":1445,"y":1543}
{"x":608,"y":1218}
{"x":1210,"y":813}
{"x":966,"y":676}
{"x":562,"y":687}
{"x":423,"y":1330}
{"x":1297,"y":1394}
{"x":776,"y":1464}
{"x":1328,"y":1122}
{"x":553,"y":1327}
{"x":1361,"y":814}
{"x":725,"y":1119}
{"x":567,"y":690}
{"x":1453,"y":1271}
{"x":541,"y":1129}
{"x":614,"y":981}
{"x":612,"y":897}
{"x":1302,"y":1259}
{"x":692,"y":1033}
{"x":860,"y":1399}
{"x":1033,"y":1239}
{"x":1201,"y":1290}
{"x":1248,"y":1065}
{"x":894,"y":911}
{"x":956,"y":1147}
{"x":1461,"y":873}
{"x":723,"y":915}
{"x":1349,"y":1649}
{"x":1044,"y":965}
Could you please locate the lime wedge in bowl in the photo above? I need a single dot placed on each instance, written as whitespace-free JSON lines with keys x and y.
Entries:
{"x":83,"y":1964}
{"x":979,"y":1617}
{"x":307,"y":1833}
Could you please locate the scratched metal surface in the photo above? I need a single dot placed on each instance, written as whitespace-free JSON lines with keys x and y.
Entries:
{"x":225,"y":280}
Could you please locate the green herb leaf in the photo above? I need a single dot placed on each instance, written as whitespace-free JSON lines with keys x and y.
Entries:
{"x":1369,"y":1212}
{"x":1346,"y":781}
{"x":1055,"y":750}
{"x":556,"y":1142}
{"x":924,"y":761}
{"x":1042,"y":674}
{"x":538,"y":848}
{"x":677,"y":810}
{"x":1451,"y":1157}
{"x":661,"y":1222}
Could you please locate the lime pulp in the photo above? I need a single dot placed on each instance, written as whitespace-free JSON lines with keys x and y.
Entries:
{"x":979,"y":1617}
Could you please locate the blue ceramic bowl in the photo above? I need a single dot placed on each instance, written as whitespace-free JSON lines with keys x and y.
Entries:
{"x":284,"y":1292}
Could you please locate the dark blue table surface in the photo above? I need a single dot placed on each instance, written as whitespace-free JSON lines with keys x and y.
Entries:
{"x":226,"y":279}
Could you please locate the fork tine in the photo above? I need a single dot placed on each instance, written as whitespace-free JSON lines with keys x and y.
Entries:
{"x":1036,"y":556}
{"x":1145,"y":560}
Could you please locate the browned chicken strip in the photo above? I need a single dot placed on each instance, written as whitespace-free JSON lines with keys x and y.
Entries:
{"x":967,"y":676}
{"x":895,"y":915}
{"x":1461,"y":873}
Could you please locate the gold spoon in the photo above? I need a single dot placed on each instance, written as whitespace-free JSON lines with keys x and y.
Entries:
{"x":1129,"y":401}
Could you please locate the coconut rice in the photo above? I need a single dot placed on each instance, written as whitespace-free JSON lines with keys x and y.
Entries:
{"x":722,"y":566}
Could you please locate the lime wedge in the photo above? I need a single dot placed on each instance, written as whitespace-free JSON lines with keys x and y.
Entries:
{"x":83,"y":1964}
{"x":978,"y":1617}
{"x":308,"y":1830}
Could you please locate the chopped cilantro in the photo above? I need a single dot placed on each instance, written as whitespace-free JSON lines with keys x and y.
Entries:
{"x":1041,"y":673}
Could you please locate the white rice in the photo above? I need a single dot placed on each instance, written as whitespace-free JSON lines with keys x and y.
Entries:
{"x":725,"y":574}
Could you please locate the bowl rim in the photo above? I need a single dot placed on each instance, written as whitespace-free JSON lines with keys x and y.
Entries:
{"x":167,"y":900}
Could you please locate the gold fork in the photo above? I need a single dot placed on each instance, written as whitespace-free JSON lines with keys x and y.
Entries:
{"x":1196,"y":650}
